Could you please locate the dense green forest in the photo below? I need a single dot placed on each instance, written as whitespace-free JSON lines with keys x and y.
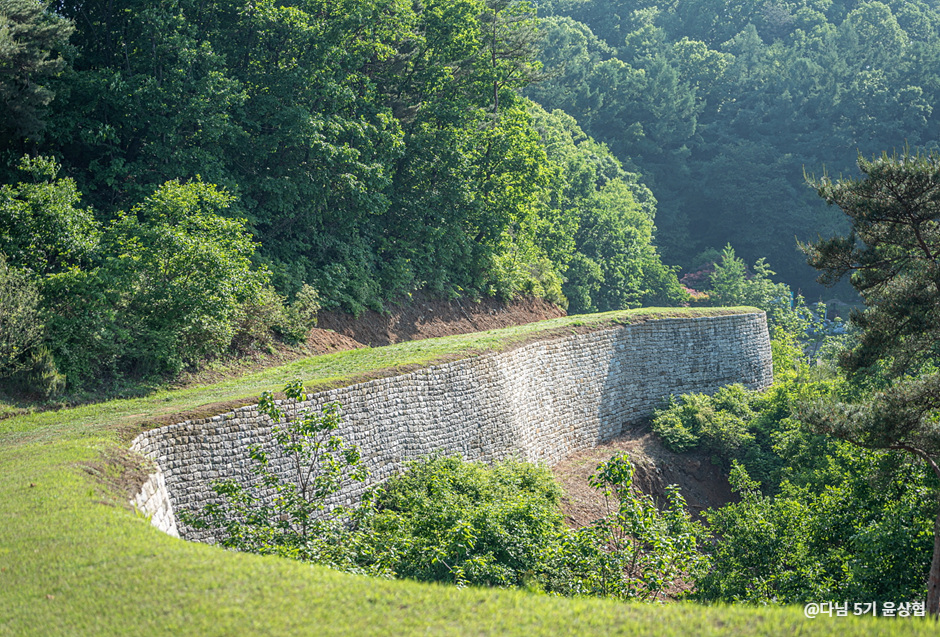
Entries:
{"x":578,"y":150}
{"x":722,"y":105}
{"x":352,"y":152}
{"x":359,"y":150}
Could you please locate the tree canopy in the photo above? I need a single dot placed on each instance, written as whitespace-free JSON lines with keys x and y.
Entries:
{"x":369,"y":148}
{"x":29,"y":37}
{"x":721,"y":105}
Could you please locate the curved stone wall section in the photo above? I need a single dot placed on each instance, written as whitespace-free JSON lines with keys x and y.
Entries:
{"x":539,"y":402}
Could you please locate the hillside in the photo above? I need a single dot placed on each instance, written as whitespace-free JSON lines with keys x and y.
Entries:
{"x":74,"y":560}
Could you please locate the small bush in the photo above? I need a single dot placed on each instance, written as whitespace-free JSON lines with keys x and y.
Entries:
{"x":718,"y":424}
{"x":636,"y":551}
{"x":670,"y":423}
{"x":21,"y":328}
{"x":264,"y":318}
{"x":446,"y":520}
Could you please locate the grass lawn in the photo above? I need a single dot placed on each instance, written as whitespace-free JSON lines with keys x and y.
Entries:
{"x":74,"y":561}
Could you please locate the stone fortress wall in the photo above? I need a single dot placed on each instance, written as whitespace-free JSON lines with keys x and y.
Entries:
{"x":539,"y":402}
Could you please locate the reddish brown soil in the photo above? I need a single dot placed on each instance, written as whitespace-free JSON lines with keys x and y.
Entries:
{"x":424,"y":317}
{"x":321,"y":341}
{"x":701,"y":483}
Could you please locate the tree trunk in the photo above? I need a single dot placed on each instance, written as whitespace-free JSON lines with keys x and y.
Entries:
{"x":933,"y":582}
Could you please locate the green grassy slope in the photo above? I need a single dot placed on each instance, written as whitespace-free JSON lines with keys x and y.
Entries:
{"x":73,"y":563}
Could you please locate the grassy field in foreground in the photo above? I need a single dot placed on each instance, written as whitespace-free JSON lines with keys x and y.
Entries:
{"x":74,"y":563}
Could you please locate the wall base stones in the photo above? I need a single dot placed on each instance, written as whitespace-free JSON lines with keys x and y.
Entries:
{"x":539,"y":402}
{"x":154,"y":501}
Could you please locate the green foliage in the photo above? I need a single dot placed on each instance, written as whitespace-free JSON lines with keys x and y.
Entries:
{"x":674,"y":423}
{"x":447,"y":520}
{"x":41,"y":227}
{"x":186,"y":271}
{"x":29,"y":35}
{"x":289,"y":516}
{"x":718,"y":424}
{"x":891,"y":254}
{"x":21,"y":328}
{"x":598,"y":228}
{"x":638,"y":551}
{"x":731,"y":285}
{"x":766,"y":551}
{"x":721,"y":104}
{"x":306,"y":305}
{"x":792,"y":323}
{"x":265,"y":316}
{"x":368,"y":163}
{"x":164,"y":286}
{"x":171,"y":281}
{"x":851,"y":532}
{"x":823,"y":520}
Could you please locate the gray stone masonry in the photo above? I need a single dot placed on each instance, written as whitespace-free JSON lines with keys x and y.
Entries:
{"x":540,"y":403}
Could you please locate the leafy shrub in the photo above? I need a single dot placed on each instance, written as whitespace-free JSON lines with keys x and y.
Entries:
{"x":83,"y":326}
{"x":183,"y":272}
{"x":21,"y":328}
{"x":42,"y":229}
{"x":348,"y":283}
{"x":167,"y":285}
{"x":256,"y":321}
{"x":717,"y":424}
{"x":762,"y":553}
{"x":306,"y":305}
{"x":674,"y":424}
{"x":446,"y":520}
{"x":265,"y":317}
{"x":851,"y":533}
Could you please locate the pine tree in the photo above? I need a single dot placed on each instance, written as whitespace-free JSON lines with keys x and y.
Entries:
{"x":893,"y":256}
{"x":29,"y":34}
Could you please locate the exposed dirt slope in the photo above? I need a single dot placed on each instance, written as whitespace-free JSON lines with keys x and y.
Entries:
{"x":425,"y":317}
{"x":701,"y":483}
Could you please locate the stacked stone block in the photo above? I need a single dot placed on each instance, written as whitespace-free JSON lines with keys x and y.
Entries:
{"x":539,"y":402}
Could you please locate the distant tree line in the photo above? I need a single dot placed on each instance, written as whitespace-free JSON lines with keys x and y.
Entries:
{"x":721,"y":105}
